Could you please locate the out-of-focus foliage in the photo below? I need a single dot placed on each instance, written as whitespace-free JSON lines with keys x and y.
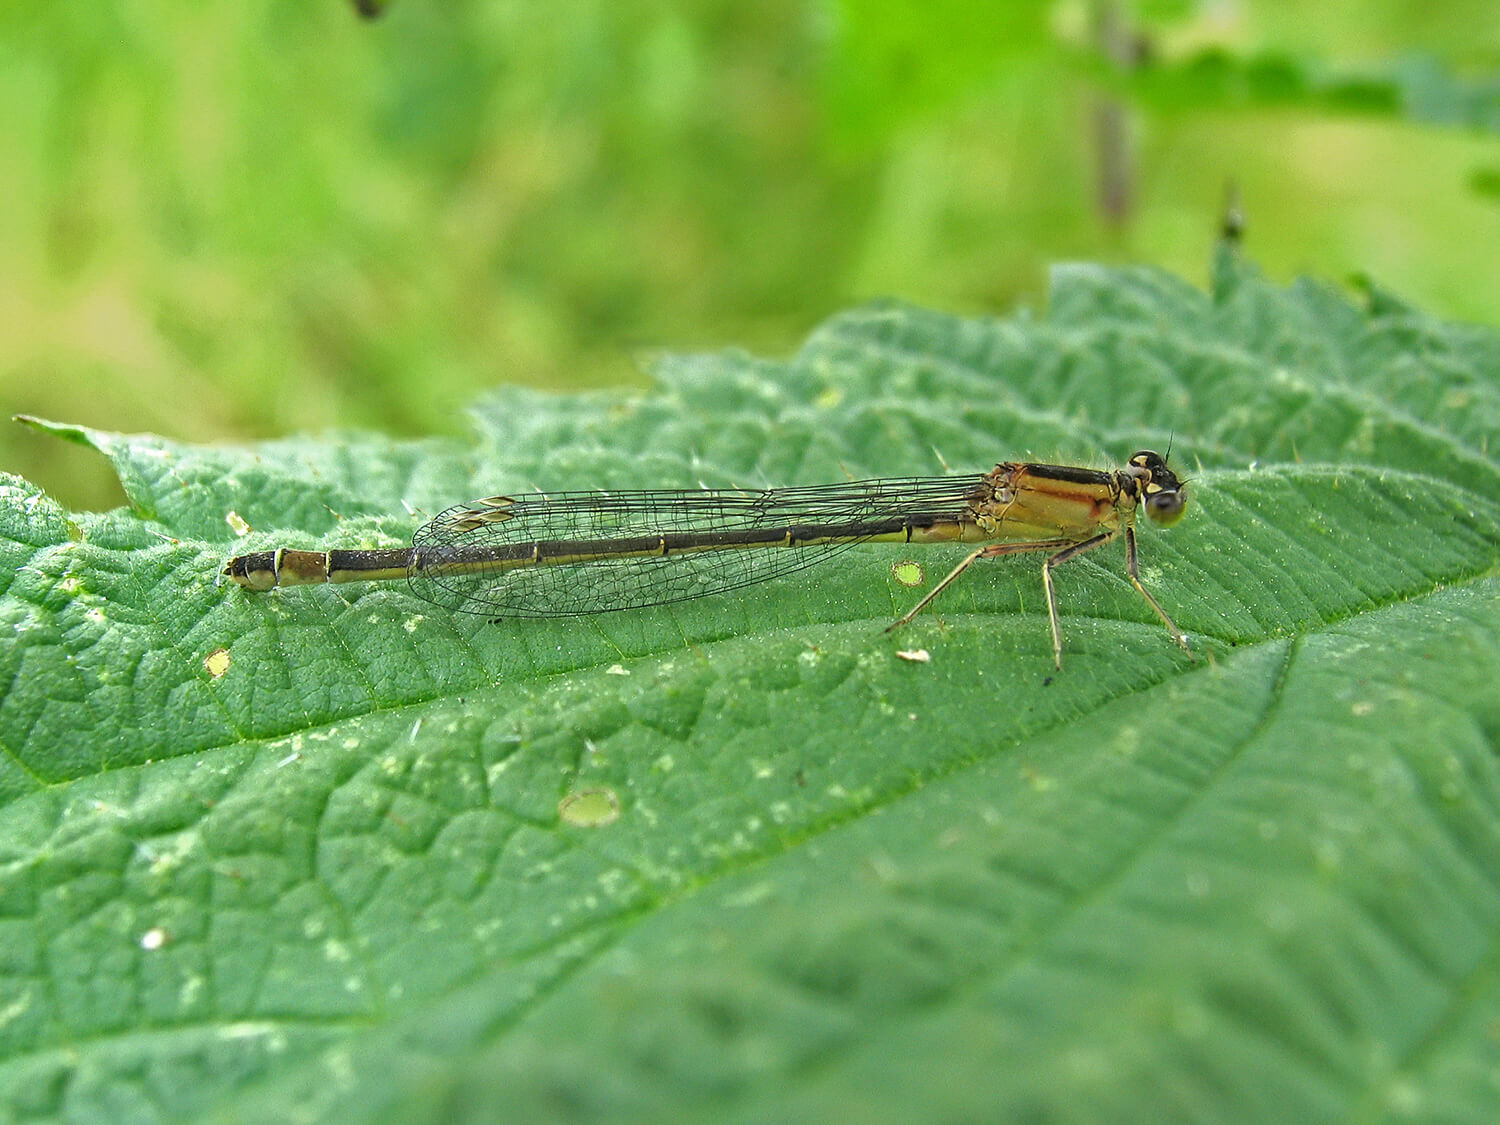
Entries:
{"x":239,"y":220}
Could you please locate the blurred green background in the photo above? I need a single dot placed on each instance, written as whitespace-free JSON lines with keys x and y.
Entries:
{"x":228,"y":221}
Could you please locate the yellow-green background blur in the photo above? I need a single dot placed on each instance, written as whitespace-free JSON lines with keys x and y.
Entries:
{"x":233,"y":220}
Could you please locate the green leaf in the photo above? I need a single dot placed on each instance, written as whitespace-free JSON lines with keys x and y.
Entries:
{"x":329,"y":853}
{"x":1420,"y":87}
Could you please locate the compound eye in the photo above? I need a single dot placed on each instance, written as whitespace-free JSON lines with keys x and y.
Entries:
{"x":1165,"y":508}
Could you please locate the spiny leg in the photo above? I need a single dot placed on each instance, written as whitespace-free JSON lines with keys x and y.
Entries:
{"x":936,"y":590}
{"x":994,"y":550}
{"x":1072,"y":551}
{"x":1132,"y":571}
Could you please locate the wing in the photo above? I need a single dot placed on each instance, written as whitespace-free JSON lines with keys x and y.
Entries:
{"x":574,"y":553}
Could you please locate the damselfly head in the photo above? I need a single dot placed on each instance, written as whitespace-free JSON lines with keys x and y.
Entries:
{"x":1162,"y":494}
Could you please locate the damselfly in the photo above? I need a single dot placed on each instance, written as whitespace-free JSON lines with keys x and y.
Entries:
{"x":561,"y":554}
